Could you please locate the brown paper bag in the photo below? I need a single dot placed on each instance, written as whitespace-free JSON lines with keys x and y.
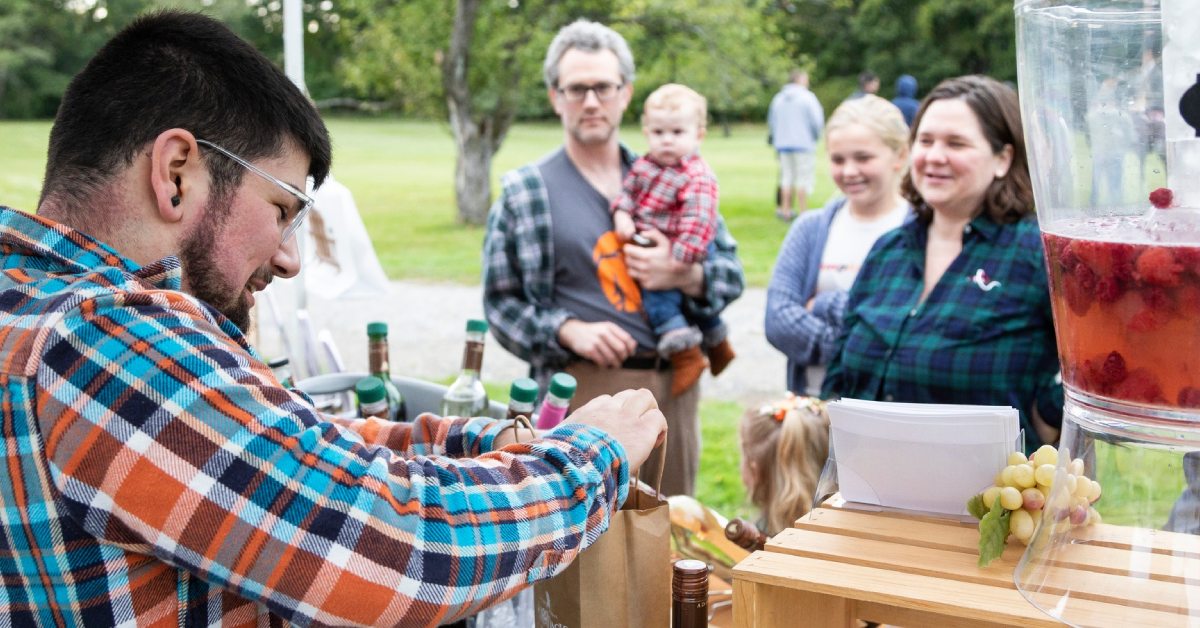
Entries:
{"x":623,"y":579}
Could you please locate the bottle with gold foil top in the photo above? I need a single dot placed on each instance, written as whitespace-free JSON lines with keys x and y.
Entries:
{"x":380,"y":367}
{"x":745,"y":534}
{"x":372,"y":398}
{"x":521,"y":396}
{"x":689,"y":594}
{"x":466,"y":396}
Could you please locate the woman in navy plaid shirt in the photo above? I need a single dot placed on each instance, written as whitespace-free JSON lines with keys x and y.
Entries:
{"x":954,"y":307}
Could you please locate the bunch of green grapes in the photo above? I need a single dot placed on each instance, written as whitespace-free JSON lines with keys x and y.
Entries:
{"x":1023,"y":489}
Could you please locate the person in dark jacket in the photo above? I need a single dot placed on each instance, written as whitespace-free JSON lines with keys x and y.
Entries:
{"x":906,"y":97}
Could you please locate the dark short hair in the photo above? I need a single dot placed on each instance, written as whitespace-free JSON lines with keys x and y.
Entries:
{"x":865,"y":77}
{"x":995,"y":105}
{"x":175,"y":69}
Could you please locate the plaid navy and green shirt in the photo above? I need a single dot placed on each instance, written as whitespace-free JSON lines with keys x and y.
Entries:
{"x":157,"y":474}
{"x":984,"y":335}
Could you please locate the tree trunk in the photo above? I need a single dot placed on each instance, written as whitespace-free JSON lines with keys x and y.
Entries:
{"x":472,"y":191}
{"x":472,"y":175}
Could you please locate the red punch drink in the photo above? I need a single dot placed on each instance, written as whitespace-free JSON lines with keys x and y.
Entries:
{"x":1127,"y":312}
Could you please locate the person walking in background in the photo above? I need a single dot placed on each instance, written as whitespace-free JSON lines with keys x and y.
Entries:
{"x":868,"y":83}
{"x":954,"y":306}
{"x":867,"y":144}
{"x":795,"y":120}
{"x":561,"y":291}
{"x":672,"y":189}
{"x":906,"y":97}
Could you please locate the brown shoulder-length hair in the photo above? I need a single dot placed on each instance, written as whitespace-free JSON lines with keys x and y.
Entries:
{"x":1010,"y":197}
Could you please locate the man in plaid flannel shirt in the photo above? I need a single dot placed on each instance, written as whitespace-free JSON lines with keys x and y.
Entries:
{"x":158,"y":473}
{"x":561,"y":291}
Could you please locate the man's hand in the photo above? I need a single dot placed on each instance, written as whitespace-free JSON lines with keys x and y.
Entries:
{"x":604,"y":343}
{"x":631,"y":417}
{"x":654,"y":268}
{"x":623,"y":225}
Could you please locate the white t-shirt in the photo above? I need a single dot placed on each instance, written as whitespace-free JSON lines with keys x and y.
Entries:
{"x":850,"y":239}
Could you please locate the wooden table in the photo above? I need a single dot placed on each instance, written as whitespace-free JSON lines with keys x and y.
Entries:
{"x":841,"y":563}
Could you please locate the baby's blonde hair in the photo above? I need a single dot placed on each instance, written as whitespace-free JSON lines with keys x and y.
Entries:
{"x":676,"y":97}
{"x":876,"y":114}
{"x":787,"y":443}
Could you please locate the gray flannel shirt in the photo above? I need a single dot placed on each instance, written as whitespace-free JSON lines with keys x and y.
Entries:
{"x":518,"y":274}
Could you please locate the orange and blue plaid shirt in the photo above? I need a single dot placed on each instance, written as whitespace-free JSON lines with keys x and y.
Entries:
{"x":158,"y":474}
{"x":680,"y":201}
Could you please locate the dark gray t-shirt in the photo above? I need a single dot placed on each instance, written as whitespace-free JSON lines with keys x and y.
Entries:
{"x":590,"y":278}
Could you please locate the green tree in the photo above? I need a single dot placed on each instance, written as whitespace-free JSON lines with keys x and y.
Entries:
{"x":476,"y":62}
{"x":727,"y":51}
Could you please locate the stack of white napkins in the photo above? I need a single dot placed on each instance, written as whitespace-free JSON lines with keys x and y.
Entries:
{"x":930,"y":457}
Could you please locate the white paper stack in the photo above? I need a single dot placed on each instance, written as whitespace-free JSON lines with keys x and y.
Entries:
{"x":929,"y":457}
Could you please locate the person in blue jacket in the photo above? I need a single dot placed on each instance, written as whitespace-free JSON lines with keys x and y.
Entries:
{"x":906,"y":97}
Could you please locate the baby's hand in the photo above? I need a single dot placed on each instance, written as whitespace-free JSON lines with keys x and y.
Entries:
{"x":623,"y":225}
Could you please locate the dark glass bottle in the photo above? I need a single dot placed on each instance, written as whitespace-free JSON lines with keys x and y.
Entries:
{"x":745,"y":534}
{"x":521,"y":396}
{"x":380,"y":367}
{"x":689,"y":594}
{"x":372,"y":398}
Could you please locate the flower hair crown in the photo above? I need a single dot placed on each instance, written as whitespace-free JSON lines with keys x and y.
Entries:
{"x":793,"y":404}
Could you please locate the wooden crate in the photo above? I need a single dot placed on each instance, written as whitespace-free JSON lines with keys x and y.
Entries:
{"x":840,"y":564}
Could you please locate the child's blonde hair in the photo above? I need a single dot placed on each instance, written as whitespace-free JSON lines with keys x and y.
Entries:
{"x":876,"y":114}
{"x":785,"y":446}
{"x":676,"y":97}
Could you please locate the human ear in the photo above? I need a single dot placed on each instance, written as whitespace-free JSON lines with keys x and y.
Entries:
{"x":174,"y":172}
{"x":1004,"y":161}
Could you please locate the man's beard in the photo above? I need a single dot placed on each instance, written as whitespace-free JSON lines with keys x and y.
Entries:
{"x":203,"y":279}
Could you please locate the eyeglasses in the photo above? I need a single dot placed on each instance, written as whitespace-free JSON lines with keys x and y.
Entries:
{"x":578,"y":92}
{"x":288,"y":226}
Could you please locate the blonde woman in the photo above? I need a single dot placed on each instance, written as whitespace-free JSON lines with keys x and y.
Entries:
{"x":867,"y":143}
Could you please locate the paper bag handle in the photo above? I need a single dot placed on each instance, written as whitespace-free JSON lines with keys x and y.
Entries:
{"x":662,"y":464}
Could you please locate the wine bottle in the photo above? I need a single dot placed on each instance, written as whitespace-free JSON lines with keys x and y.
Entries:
{"x":380,"y":367}
{"x":745,"y":534}
{"x":466,"y":396}
{"x":521,"y":396}
{"x":689,"y":594}
{"x":372,"y":398}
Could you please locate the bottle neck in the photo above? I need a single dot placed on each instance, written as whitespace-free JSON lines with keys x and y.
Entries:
{"x":517,"y":408}
{"x":377,"y":357}
{"x":554,"y":401}
{"x":472,"y":360}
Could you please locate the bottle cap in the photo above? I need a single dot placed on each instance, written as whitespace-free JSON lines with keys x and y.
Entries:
{"x":562,"y":386}
{"x":370,"y":390}
{"x":475,"y":324}
{"x":524,"y":390}
{"x":377,"y":328}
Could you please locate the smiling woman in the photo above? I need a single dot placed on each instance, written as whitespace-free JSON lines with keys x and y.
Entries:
{"x":953,"y":307}
{"x":867,"y":143}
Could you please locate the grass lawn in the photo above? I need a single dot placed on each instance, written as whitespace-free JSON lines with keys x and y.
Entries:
{"x":402,"y":175}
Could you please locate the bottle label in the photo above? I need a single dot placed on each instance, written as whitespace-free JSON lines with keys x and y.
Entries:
{"x":473,"y":356}
{"x":377,"y":357}
{"x":550,"y":416}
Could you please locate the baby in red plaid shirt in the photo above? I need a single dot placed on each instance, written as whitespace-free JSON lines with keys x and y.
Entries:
{"x":672,"y":190}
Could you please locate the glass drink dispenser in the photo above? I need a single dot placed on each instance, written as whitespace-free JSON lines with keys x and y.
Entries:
{"x":1111,"y":109}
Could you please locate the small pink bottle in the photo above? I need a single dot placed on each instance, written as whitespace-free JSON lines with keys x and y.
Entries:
{"x":558,"y":399}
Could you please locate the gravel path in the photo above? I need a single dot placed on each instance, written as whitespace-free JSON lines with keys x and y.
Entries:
{"x":426,"y":323}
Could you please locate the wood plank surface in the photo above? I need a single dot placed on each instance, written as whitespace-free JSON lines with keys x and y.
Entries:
{"x":944,"y":602}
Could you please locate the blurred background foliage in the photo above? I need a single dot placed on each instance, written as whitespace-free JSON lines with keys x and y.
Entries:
{"x":386,"y":55}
